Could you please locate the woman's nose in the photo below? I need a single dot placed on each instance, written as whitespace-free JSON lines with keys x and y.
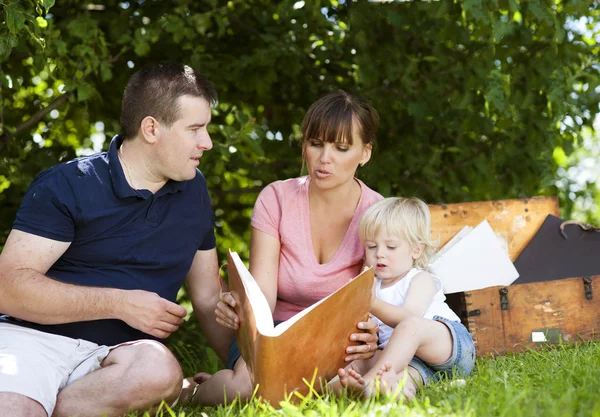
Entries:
{"x":326,"y":153}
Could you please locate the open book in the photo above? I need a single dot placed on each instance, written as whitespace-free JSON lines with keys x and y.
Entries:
{"x":473,"y":259}
{"x":310,"y":344}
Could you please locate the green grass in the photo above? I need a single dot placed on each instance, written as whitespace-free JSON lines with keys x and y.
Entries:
{"x":560,"y":381}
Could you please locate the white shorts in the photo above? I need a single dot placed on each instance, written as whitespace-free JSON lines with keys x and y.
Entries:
{"x":38,"y":365}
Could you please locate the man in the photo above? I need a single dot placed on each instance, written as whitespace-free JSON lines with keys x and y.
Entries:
{"x":100,"y":247}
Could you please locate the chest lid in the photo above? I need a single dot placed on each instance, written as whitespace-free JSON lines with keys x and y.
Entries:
{"x":515,"y":221}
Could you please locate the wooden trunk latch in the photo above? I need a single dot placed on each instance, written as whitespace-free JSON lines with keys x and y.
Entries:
{"x":503,"y":298}
{"x":587,"y":288}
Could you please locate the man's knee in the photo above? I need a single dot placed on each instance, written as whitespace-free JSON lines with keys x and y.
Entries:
{"x":153,"y":369}
{"x":17,"y":405}
{"x":162,"y":370}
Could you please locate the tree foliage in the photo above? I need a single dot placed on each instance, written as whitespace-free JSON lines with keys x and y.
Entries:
{"x":472,"y":95}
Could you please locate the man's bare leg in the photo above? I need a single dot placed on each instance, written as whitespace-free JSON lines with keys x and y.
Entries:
{"x":17,"y":405}
{"x":133,"y":377}
{"x":225,"y":385}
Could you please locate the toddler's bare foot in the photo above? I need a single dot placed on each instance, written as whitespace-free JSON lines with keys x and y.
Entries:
{"x":388,"y":379}
{"x":352,"y":381}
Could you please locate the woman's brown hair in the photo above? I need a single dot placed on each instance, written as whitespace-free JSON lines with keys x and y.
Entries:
{"x":331,"y":119}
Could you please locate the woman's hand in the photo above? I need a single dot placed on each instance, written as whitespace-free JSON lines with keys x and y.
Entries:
{"x":225,"y":313}
{"x":368,"y":338}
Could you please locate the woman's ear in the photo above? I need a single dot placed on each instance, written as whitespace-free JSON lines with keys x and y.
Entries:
{"x":366,"y":154}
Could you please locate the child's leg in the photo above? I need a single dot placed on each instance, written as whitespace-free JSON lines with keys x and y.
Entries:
{"x":225,"y":385}
{"x":428,"y":339}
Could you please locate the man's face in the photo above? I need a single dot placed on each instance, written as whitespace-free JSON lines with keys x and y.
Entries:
{"x":181,"y":145}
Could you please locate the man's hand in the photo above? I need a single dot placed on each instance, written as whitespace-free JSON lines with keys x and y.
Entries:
{"x":368,"y":338}
{"x":148,"y":312}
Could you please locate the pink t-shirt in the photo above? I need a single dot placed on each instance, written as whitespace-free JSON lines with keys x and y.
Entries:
{"x":282,"y":211}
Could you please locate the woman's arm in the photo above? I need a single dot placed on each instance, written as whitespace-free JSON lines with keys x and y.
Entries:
{"x":264,"y":263}
{"x":421,"y":290}
{"x":264,"y":267}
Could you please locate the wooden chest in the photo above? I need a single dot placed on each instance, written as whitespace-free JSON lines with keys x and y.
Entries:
{"x":520,"y":316}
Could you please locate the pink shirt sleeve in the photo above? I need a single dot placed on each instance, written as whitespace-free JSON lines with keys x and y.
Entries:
{"x":266,"y":215}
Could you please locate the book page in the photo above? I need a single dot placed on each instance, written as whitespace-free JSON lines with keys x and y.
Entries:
{"x":476,"y":261}
{"x":258,"y":301}
{"x":455,"y":239}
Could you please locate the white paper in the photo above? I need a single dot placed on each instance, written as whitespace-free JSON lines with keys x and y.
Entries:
{"x":477,"y":260}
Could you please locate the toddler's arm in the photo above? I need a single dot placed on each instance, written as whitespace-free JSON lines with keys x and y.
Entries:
{"x":418,"y":298}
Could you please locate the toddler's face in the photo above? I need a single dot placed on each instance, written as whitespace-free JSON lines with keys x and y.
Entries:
{"x":391,"y":256}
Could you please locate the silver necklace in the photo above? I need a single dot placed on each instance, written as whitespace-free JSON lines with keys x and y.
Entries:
{"x":121,"y":157}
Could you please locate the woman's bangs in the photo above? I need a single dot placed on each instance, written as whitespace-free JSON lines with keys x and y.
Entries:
{"x":333,"y":127}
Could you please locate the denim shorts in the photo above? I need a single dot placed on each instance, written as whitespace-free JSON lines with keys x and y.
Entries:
{"x":461,"y":361}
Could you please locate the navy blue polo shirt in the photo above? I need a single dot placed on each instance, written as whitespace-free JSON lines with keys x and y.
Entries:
{"x":120,"y":237}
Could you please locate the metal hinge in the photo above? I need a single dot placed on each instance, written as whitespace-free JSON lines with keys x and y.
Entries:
{"x":472,"y":313}
{"x":503,"y":298}
{"x":587,"y":288}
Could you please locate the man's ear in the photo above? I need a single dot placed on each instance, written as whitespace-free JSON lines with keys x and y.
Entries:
{"x":150,"y":129}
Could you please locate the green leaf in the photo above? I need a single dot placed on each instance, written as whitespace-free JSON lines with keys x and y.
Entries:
{"x":475,"y":9}
{"x":84,"y":92}
{"x":7,"y":43}
{"x":106,"y":71}
{"x":15,"y":18}
{"x":255,"y":146}
{"x":61,"y":47}
{"x":46,"y":4}
{"x":43,"y":23}
{"x":141,"y":48}
{"x":560,"y":157}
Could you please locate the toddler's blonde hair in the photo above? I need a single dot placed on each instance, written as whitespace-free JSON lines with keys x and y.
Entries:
{"x":406,"y":218}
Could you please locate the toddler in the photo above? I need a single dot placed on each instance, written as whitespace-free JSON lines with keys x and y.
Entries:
{"x":418,"y":333}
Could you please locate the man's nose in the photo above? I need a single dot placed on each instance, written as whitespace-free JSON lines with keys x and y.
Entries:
{"x":205,"y":142}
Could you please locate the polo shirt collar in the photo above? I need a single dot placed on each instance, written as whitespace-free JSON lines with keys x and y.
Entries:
{"x":120,"y":184}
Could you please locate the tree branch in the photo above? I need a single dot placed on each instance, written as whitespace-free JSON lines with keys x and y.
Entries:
{"x":35,"y":118}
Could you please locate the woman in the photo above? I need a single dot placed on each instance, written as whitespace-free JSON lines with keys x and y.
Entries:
{"x":304,"y":242}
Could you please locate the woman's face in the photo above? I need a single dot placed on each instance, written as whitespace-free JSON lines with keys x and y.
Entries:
{"x":333,"y":164}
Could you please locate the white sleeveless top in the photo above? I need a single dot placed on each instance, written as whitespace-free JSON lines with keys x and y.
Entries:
{"x":395,"y":295}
